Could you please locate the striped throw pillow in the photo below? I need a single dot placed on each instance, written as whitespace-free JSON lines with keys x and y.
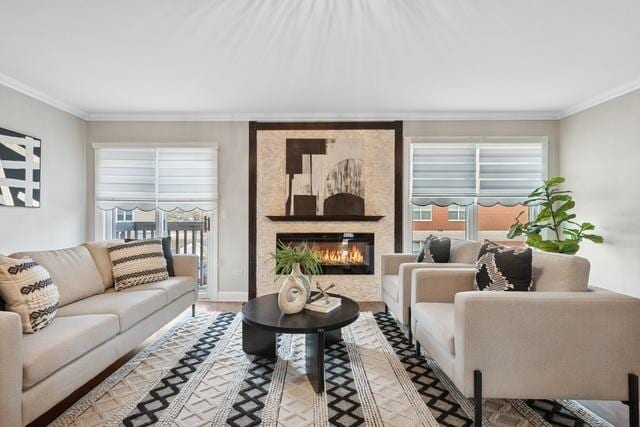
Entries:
{"x":136,"y":263}
{"x":28,"y":290}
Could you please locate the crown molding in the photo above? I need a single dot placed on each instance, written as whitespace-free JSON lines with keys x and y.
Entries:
{"x":18,"y":86}
{"x":293,"y":117}
{"x":601,"y":98}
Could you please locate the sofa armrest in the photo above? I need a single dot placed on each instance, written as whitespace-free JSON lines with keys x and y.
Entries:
{"x":556,"y":345}
{"x":186,"y":265}
{"x":440,"y":284}
{"x":10,"y":369}
{"x":391,"y":263}
{"x":404,"y":281}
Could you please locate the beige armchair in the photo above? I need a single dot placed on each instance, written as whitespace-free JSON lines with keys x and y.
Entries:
{"x":562,"y":341}
{"x":397,"y":269}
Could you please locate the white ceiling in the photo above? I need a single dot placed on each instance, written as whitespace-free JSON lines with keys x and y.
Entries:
{"x":207,"y":59}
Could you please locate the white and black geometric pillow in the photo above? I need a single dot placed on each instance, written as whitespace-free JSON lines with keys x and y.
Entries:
{"x":28,"y":290}
{"x":435,"y":249}
{"x":503,"y":269}
{"x":137,"y":263}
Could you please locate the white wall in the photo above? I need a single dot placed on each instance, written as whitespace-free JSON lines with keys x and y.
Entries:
{"x":233,"y":217}
{"x":599,"y":156}
{"x":60,"y":221}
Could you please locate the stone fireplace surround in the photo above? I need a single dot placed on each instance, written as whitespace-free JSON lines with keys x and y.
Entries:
{"x":380,"y":199}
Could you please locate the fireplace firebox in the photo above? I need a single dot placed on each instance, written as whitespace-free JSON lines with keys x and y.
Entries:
{"x":340,"y":253}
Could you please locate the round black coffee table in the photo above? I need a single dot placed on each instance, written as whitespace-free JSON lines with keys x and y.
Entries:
{"x":262,"y":319}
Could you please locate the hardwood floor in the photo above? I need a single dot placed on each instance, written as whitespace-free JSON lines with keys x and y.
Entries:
{"x":614,"y":412}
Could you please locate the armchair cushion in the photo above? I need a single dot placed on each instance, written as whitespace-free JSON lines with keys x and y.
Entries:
{"x":438,"y":320}
{"x":390,"y":286}
{"x":503,"y":269}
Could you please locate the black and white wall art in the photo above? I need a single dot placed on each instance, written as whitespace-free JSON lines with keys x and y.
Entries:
{"x":324,"y":177}
{"x":19,"y":170}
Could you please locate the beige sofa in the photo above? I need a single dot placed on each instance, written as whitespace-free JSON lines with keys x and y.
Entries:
{"x":397,"y":269}
{"x":93,"y":328}
{"x":562,"y":341}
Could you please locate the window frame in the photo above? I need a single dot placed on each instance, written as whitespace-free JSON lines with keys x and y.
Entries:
{"x":458,"y":211}
{"x":422,"y":210}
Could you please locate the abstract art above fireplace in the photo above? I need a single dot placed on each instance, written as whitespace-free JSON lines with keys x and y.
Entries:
{"x":336,"y":186}
{"x":324,"y":176}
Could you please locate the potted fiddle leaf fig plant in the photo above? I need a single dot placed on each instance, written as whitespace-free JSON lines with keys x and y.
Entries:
{"x":554,"y":229}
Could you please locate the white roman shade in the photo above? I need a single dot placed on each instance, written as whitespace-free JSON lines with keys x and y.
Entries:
{"x":161,"y":177}
{"x":486,"y":171}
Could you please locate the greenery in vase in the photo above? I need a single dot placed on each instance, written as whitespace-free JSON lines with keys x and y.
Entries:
{"x":555,"y":216}
{"x":286,"y":256}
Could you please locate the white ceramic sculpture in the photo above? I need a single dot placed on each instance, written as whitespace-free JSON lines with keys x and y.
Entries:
{"x":292,"y":296}
{"x":296,"y":271}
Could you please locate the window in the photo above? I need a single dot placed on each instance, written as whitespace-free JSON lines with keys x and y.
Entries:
{"x":150,"y":191}
{"x":457,"y":213}
{"x":416,"y":246}
{"x":124,"y":216}
{"x":494,"y":223}
{"x":473,"y":186}
{"x":422,"y":213}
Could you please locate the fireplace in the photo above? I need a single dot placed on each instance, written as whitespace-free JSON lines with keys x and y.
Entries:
{"x":340,"y":253}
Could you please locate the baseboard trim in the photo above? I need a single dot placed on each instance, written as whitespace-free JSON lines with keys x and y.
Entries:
{"x":229,"y":296}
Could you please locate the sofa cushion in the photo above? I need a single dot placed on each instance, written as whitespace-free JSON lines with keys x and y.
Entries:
{"x":100,"y":253}
{"x":29,"y":291}
{"x":437,"y":319}
{"x":130,"y":307}
{"x":500,"y":268}
{"x":174,"y":287}
{"x":136,"y":263}
{"x":560,"y":273}
{"x":66,"y":339}
{"x":391,"y":285}
{"x":73,"y":271}
{"x":464,"y":251}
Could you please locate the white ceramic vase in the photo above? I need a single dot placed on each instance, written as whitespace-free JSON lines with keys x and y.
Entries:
{"x":292,"y":296}
{"x":296,"y":272}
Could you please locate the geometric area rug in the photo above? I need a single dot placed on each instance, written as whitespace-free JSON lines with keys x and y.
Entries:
{"x":197,"y":375}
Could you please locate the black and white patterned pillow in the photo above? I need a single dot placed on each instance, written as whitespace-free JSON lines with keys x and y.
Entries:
{"x":28,"y":289}
{"x":503,"y":269}
{"x":435,"y":249}
{"x":166,"y":250}
{"x":136,"y":263}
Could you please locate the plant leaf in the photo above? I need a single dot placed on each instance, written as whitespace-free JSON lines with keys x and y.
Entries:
{"x":568,"y":247}
{"x":594,"y":238}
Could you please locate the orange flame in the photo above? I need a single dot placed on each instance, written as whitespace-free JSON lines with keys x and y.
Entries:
{"x":353,"y":255}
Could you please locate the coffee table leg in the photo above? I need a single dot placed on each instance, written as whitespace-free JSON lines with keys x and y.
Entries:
{"x":332,"y":337}
{"x":258,"y":341}
{"x":315,"y":359}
